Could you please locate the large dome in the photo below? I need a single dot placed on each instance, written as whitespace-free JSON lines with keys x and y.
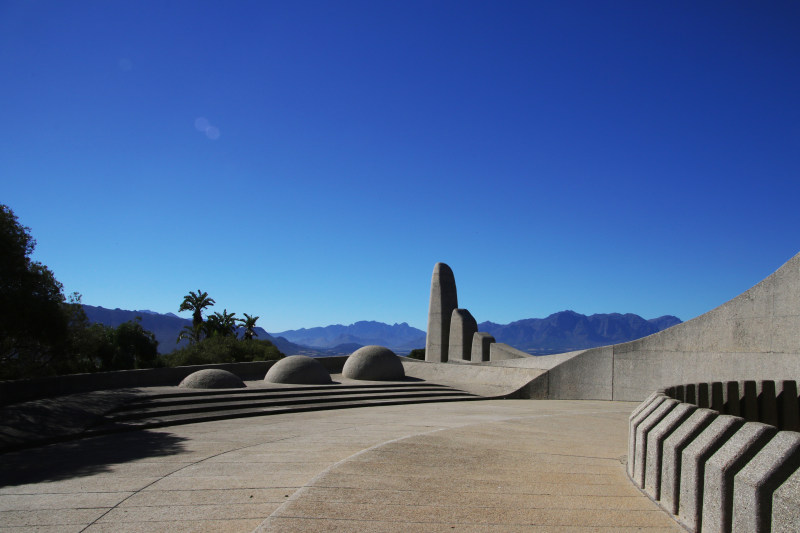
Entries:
{"x":373,"y":363}
{"x":212,"y":378}
{"x":298,"y":369}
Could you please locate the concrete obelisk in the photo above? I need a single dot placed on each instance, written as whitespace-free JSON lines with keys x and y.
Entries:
{"x":443,"y":300}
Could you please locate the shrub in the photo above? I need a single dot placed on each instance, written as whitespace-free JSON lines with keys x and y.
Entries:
{"x":215,"y":350}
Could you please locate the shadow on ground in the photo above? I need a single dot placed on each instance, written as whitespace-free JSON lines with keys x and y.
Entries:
{"x":84,"y":457}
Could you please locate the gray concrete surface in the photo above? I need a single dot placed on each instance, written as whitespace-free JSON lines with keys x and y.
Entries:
{"x":462,"y":328}
{"x":633,"y":424}
{"x":655,"y":446}
{"x":400,"y":468}
{"x":212,"y":378}
{"x":298,"y":369}
{"x":786,"y":505}
{"x":673,"y":447}
{"x":443,"y":299}
{"x":373,"y":363}
{"x":481,"y":343}
{"x":754,"y":336}
{"x":720,"y":470}
{"x":754,"y":485}
{"x":693,"y":463}
{"x":641,"y":433}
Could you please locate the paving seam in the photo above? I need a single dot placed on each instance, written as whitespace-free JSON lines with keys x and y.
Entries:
{"x":174,"y":472}
{"x":264,"y":527}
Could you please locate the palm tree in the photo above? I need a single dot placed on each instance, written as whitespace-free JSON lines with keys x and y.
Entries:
{"x":196,"y":302}
{"x":193,"y":334}
{"x":248,"y":323}
{"x":223,"y":324}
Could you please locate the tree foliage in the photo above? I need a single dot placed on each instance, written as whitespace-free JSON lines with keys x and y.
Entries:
{"x":221,"y":324}
{"x":249,"y":324}
{"x":196,"y":302}
{"x":33,"y":324}
{"x":223,"y":349}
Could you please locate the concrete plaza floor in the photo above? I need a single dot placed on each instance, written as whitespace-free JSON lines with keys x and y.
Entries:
{"x":494,"y":465}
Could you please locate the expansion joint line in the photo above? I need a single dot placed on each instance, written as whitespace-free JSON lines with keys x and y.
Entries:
{"x":137,"y":491}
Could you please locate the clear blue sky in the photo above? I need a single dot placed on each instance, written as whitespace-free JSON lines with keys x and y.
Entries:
{"x":309,"y":162}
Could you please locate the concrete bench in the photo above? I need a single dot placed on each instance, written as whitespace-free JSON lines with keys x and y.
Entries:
{"x":720,"y":456}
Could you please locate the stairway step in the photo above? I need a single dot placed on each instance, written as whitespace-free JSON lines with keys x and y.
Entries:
{"x":192,"y":418}
{"x":147,"y":411}
{"x":264,"y":394}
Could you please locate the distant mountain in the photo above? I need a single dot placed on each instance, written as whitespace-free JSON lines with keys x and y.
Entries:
{"x":398,"y":337}
{"x":567,"y":330}
{"x":166,"y":328}
{"x":560,"y":332}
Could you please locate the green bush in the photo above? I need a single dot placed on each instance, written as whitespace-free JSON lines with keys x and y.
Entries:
{"x":418,"y":353}
{"x":217,"y":349}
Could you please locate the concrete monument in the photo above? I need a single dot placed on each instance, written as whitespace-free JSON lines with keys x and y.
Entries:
{"x":443,"y":300}
{"x":462,"y":328}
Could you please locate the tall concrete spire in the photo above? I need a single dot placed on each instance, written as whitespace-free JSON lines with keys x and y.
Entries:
{"x":443,"y":300}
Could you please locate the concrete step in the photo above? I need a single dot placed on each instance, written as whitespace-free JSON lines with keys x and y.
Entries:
{"x":192,"y":406}
{"x":195,"y":398}
{"x":223,"y":403}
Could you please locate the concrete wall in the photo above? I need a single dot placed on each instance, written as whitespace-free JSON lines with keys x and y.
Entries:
{"x":755,"y":336}
{"x":32,"y":389}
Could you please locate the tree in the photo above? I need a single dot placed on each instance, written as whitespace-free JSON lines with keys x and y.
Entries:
{"x":33,"y":324}
{"x":196,"y":302}
{"x":249,"y":323}
{"x":222,"y":324}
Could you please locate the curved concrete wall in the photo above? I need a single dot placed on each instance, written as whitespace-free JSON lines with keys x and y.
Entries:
{"x":755,"y":336}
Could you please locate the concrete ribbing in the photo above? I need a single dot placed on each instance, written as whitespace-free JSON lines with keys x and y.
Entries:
{"x":721,"y":469}
{"x":655,"y":446}
{"x":786,"y":505}
{"x":642,"y":430}
{"x":443,"y":300}
{"x":693,"y":462}
{"x":754,"y":485}
{"x":462,"y":328}
{"x":671,"y":456}
{"x":642,"y":412}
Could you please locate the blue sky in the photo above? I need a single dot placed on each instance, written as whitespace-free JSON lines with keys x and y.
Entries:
{"x":309,"y":162}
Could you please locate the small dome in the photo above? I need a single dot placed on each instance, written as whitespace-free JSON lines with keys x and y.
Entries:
{"x":298,"y":369}
{"x":212,"y":378}
{"x":373,"y":363}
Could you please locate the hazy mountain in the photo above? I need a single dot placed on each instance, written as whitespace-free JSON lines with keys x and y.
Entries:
{"x":567,"y":330}
{"x":560,"y":332}
{"x":166,"y":328}
{"x":398,"y":337}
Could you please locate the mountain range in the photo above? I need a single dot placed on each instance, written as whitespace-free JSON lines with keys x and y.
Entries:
{"x":560,"y":332}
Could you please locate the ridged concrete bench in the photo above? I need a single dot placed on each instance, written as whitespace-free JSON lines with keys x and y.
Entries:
{"x":722,"y":456}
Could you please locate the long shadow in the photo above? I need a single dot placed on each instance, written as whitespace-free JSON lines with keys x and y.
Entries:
{"x":84,"y":457}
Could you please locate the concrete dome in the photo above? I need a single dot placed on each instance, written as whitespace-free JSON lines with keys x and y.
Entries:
{"x":374,"y":363}
{"x":298,"y":369}
{"x":212,"y":378}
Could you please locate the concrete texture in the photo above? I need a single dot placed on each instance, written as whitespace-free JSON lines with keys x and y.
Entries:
{"x":482,"y":380}
{"x":212,"y":378}
{"x":720,"y":470}
{"x":693,"y":463}
{"x":642,"y":432}
{"x":443,"y":300}
{"x":462,"y":328}
{"x":655,"y":446}
{"x":375,"y":363}
{"x":298,"y":369}
{"x":786,"y":505}
{"x":633,"y":424}
{"x":676,"y":442}
{"x":754,"y":485}
{"x":399,"y":468}
{"x":481,"y":343}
